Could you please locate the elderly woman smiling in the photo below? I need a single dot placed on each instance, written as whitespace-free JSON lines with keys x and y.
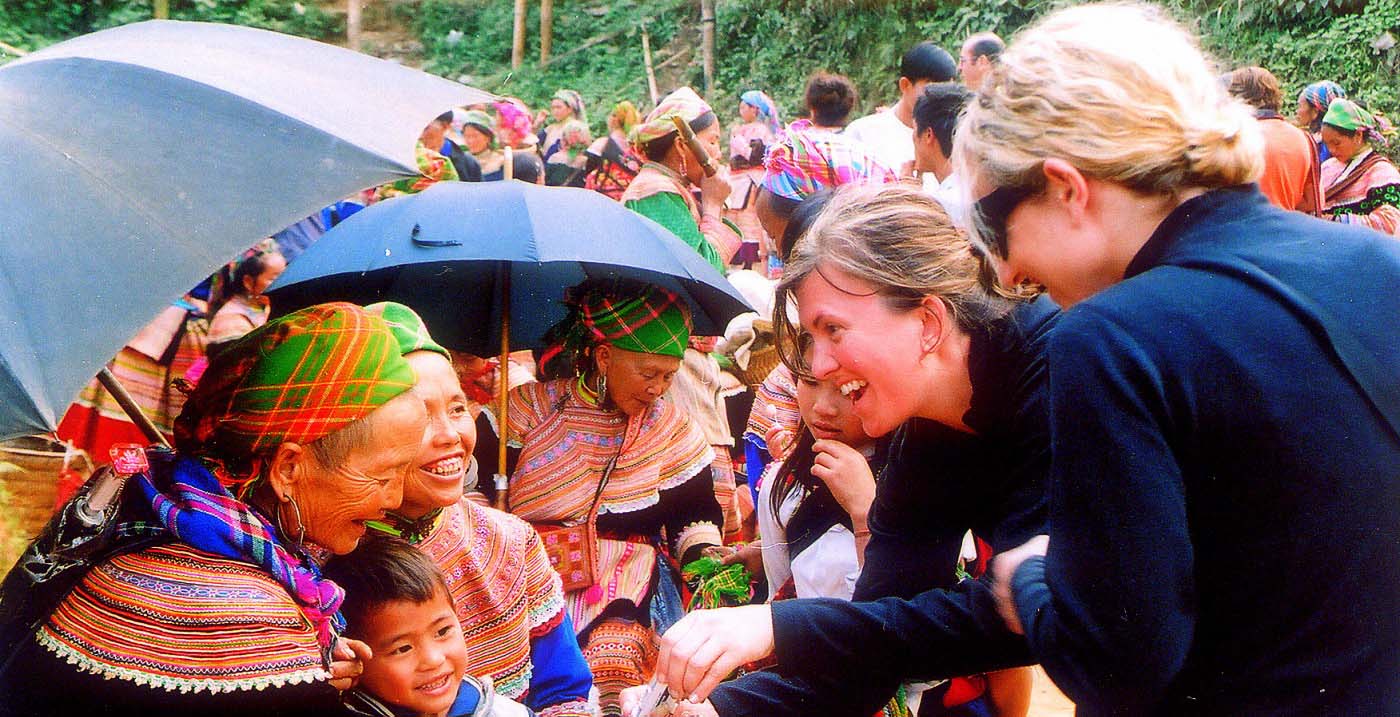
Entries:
{"x":299,"y":434}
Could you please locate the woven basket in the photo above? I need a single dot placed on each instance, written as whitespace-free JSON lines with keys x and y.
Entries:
{"x":763,"y":358}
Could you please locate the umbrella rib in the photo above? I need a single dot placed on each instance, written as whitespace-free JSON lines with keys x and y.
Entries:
{"x":139,"y":207}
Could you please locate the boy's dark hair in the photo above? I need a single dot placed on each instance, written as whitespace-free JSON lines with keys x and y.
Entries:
{"x":937,"y":109}
{"x":800,"y":218}
{"x":830,"y":98}
{"x":927,"y":61}
{"x":383,"y":569}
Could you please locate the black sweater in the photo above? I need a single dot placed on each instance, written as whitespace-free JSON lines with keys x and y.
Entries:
{"x":938,"y":484}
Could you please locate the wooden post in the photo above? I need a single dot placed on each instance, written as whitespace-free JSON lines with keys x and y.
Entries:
{"x":517,"y":43}
{"x":651,"y":71}
{"x":707,"y":41}
{"x":352,"y":24}
{"x":546,"y":30}
{"x":161,"y":9}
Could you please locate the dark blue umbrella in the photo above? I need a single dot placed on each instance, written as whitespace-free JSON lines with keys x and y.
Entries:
{"x":136,"y":160}
{"x":453,"y":252}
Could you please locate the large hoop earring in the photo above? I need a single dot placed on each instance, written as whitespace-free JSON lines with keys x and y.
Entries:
{"x":301,"y":527}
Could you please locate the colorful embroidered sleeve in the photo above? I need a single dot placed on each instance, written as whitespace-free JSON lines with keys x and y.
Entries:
{"x":1380,"y":210}
{"x":670,"y":211}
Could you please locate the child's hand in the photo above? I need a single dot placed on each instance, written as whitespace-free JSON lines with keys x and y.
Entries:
{"x":348,"y":662}
{"x":847,"y":474}
{"x":750,"y":556}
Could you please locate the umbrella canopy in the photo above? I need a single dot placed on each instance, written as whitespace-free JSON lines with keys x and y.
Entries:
{"x":449,"y":252}
{"x":139,"y":159}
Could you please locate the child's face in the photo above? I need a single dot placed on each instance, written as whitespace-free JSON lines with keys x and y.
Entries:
{"x":420,"y":655}
{"x":828,"y":414}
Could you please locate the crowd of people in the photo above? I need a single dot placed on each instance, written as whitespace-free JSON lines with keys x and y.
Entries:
{"x":1074,"y":362}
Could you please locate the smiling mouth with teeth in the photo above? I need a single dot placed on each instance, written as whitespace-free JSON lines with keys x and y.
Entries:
{"x":852,"y":386}
{"x":446,"y":467}
{"x":435,"y":684}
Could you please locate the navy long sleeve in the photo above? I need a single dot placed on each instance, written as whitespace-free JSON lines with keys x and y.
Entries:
{"x":1225,"y":538}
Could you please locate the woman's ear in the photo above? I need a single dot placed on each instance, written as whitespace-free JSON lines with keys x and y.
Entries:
{"x":602,"y":358}
{"x":1066,"y":185}
{"x":288,"y":465}
{"x":934,"y":314}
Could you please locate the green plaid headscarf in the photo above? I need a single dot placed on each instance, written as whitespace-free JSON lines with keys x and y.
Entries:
{"x":633,"y":317}
{"x":296,"y":379}
{"x":1348,"y":115}
{"x":481,"y":121}
{"x":408,"y":328}
{"x":651,"y":322}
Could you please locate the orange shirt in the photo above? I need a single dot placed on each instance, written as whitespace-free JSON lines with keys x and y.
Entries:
{"x":1290,"y":178}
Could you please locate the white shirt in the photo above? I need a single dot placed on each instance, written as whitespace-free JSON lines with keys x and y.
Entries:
{"x":949,"y":193}
{"x":888,"y":139}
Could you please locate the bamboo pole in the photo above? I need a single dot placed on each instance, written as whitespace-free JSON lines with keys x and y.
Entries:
{"x":17,"y":52}
{"x":161,"y":9}
{"x":546,"y":30}
{"x":651,"y":71}
{"x":353,"y":15}
{"x":707,"y":42}
{"x":517,"y":42}
{"x":503,"y":388}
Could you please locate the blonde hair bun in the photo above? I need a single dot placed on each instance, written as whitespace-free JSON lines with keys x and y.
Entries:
{"x":1120,"y":91}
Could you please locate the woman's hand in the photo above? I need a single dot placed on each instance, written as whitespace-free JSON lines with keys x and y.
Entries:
{"x":1003,"y":568}
{"x":750,"y":556}
{"x":684,"y":708}
{"x":348,"y":662}
{"x":714,"y":190}
{"x":847,"y":474}
{"x":702,"y":649}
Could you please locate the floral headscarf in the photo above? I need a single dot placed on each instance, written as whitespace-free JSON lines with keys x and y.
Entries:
{"x":575,"y":102}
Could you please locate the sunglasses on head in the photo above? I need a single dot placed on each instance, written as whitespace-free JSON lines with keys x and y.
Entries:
{"x":994,"y":209}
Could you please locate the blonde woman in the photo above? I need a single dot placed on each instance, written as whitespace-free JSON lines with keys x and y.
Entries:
{"x":1222,"y":399}
{"x":902,"y":318}
{"x":612,"y":163}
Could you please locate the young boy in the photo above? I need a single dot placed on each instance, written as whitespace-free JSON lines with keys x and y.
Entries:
{"x":396,"y":601}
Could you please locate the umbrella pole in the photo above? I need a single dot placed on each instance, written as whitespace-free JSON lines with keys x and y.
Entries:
{"x":128,"y":404}
{"x":503,"y":389}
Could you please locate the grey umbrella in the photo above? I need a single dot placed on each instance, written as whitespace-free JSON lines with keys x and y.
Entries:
{"x":135,"y":161}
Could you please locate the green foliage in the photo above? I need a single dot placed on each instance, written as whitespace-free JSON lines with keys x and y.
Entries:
{"x":470,"y":40}
{"x":774,"y":45}
{"x":33,"y":24}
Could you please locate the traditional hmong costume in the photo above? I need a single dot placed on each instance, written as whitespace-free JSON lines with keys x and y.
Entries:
{"x":660,"y":481}
{"x":491,"y":159}
{"x":1366,"y":189}
{"x":221,"y":616}
{"x":664,"y":196}
{"x":506,"y":594}
{"x":147,"y":367}
{"x":433,"y":167}
{"x":565,"y":142}
{"x":803,"y":161}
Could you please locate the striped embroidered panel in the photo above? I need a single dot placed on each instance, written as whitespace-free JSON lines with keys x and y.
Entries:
{"x":176,"y":618}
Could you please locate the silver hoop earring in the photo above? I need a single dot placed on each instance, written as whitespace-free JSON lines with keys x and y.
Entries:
{"x":301,"y":527}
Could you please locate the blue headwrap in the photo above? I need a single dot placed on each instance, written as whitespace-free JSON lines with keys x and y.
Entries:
{"x":1321,"y":94}
{"x":767,"y":110}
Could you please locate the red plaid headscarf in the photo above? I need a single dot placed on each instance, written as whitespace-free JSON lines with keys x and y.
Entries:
{"x":296,"y":379}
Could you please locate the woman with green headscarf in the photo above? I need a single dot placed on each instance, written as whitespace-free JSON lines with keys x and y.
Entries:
{"x":565,"y":140}
{"x":479,"y":135}
{"x":209,"y":599}
{"x":1360,"y":186}
{"x":601,"y":445}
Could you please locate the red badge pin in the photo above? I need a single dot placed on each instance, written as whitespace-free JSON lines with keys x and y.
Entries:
{"x":128,"y":458}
